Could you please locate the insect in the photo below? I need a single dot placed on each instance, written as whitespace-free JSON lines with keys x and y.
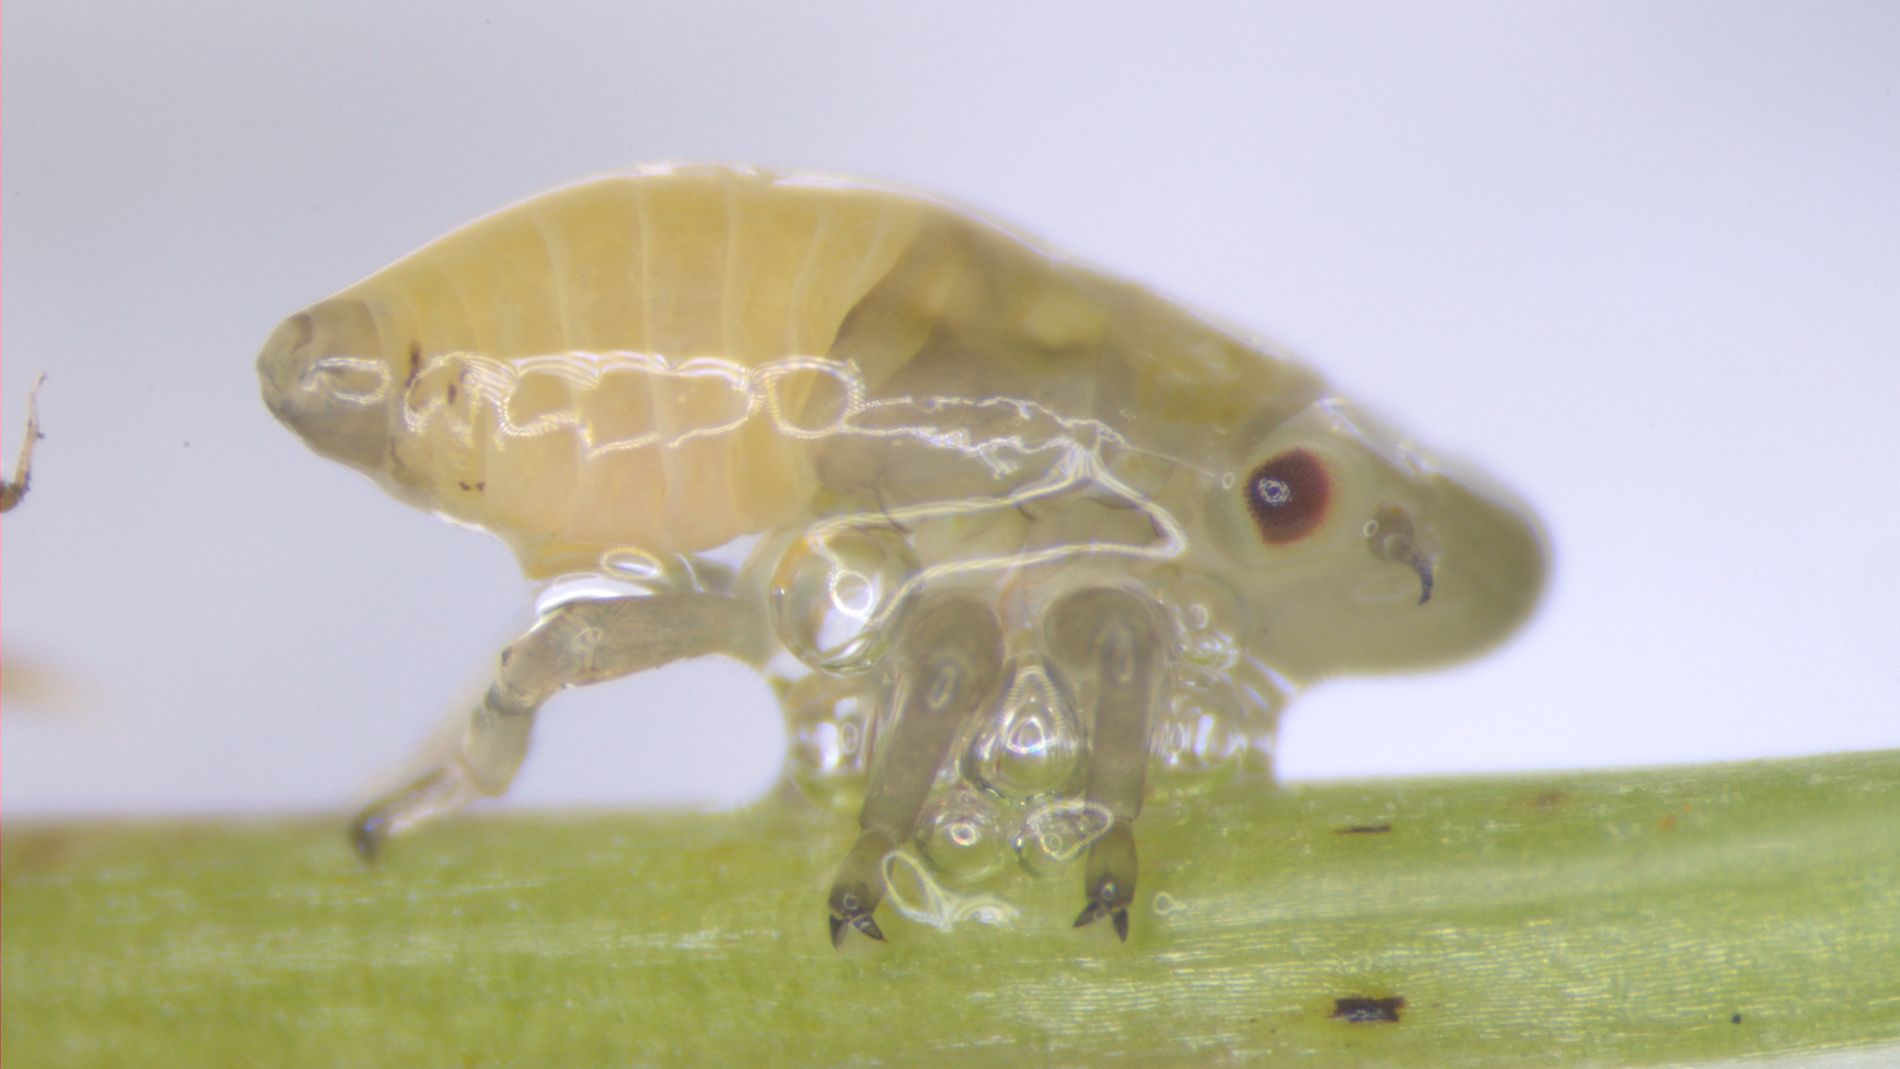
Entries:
{"x":1016,"y":540}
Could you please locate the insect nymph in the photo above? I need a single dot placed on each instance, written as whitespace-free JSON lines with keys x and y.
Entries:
{"x":1019,"y":533}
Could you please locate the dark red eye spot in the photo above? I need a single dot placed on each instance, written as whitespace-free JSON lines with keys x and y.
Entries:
{"x":1287,"y":496}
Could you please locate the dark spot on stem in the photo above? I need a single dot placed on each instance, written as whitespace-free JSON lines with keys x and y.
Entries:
{"x":1737,"y":1019}
{"x":1363,"y":829}
{"x":1548,"y":800}
{"x":1361,"y":1010}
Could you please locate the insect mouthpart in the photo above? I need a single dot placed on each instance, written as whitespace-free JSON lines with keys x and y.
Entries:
{"x":1390,"y":536}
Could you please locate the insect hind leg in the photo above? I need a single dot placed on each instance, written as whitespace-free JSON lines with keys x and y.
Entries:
{"x":1112,"y":643}
{"x":580,"y":642}
{"x":948,"y":663}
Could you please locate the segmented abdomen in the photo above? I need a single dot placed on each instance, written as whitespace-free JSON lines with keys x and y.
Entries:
{"x":617,"y":364}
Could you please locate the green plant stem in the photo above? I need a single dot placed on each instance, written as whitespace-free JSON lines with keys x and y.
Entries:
{"x":1621,"y":918}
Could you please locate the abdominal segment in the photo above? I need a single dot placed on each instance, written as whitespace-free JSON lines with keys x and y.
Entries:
{"x":574,"y":455}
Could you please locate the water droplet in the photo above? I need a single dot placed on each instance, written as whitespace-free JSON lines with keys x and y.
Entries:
{"x":584,"y":586}
{"x":635,"y":565}
{"x":1055,"y":836}
{"x":1032,"y":745}
{"x":1198,"y":741}
{"x":913,"y":889}
{"x":961,"y":837}
{"x":1209,"y":620}
{"x":831,"y":727}
{"x":837,"y":595}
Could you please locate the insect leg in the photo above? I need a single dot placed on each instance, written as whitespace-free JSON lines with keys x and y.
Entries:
{"x":12,"y":492}
{"x":1114,"y":645}
{"x":948,"y":661}
{"x":578,"y":643}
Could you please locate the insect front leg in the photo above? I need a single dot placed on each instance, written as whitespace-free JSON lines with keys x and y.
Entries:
{"x":948,"y":661}
{"x":1112,"y":643}
{"x":578,"y":643}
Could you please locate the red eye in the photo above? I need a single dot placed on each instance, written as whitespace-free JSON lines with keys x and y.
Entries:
{"x":1288,"y":495}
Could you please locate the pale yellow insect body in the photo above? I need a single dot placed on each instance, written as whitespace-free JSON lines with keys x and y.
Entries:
{"x":1029,"y":531}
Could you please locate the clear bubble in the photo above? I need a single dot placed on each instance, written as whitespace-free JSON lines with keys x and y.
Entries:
{"x":837,"y":595}
{"x":830,"y":721}
{"x":1199,"y":741}
{"x":913,"y":888}
{"x":1055,"y":836}
{"x":584,"y":586}
{"x":1032,"y":745}
{"x":961,"y":837}
{"x":632,"y":564}
{"x":1209,"y":621}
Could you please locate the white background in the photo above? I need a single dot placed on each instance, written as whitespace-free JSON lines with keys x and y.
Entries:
{"x":1641,"y":261}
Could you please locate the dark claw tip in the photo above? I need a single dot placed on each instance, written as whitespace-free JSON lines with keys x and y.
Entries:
{"x":863,"y":922}
{"x":1096,"y":910}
